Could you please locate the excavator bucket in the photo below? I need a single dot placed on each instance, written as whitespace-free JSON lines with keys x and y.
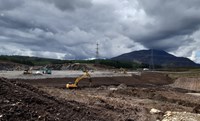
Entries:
{"x":71,"y":86}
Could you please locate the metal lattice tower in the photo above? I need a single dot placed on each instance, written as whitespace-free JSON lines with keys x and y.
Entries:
{"x":97,"y":53}
{"x":151,"y":65}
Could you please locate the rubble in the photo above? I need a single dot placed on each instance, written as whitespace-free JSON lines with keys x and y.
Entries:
{"x":155,"y":111}
{"x":187,"y":83}
{"x":181,"y":116}
{"x":10,"y":66}
{"x":122,"y":86}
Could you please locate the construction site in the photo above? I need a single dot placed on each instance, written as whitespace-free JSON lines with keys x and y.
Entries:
{"x":102,"y":95}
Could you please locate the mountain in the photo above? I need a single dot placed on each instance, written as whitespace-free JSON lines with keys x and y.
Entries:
{"x":159,"y":57}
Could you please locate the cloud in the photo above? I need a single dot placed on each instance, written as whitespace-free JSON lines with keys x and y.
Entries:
{"x":191,"y":48}
{"x":10,"y":4}
{"x":71,"y":5}
{"x":71,"y":29}
{"x":169,"y":20}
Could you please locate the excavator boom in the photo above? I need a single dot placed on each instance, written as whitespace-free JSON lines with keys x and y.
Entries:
{"x":75,"y":84}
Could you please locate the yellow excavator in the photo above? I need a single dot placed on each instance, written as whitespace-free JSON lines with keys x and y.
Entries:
{"x":75,"y":84}
{"x":123,"y":70}
{"x":28,"y":71}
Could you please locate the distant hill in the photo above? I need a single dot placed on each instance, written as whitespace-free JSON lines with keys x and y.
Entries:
{"x":57,"y":64}
{"x":159,"y":57}
{"x":31,"y":61}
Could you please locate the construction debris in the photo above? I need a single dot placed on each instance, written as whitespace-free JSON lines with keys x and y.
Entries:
{"x":155,"y":111}
{"x":181,"y":116}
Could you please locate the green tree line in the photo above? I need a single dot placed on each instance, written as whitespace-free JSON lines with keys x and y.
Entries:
{"x":36,"y":61}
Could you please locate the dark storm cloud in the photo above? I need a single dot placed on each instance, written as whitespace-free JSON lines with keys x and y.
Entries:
{"x":10,"y":4}
{"x":39,"y":27}
{"x":171,"y":19}
{"x":70,"y":29}
{"x":71,"y":4}
{"x":11,"y":22}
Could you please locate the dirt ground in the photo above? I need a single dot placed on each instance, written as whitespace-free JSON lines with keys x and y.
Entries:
{"x":187,"y":83}
{"x":145,"y":78}
{"x":145,"y":97}
{"x":20,"y":101}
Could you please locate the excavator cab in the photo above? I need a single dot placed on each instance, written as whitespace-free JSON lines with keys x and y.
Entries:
{"x":28,"y":71}
{"x":75,"y":84}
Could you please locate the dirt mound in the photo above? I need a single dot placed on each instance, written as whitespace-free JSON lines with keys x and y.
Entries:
{"x":78,"y":66}
{"x":19,"y":101}
{"x":187,"y":83}
{"x":152,"y":78}
{"x":122,"y":86}
{"x":155,"y":78}
{"x":69,"y":66}
{"x":164,"y":94}
{"x":10,"y":66}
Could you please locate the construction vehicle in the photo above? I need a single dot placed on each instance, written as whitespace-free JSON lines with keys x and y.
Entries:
{"x":28,"y":71}
{"x":122,"y":70}
{"x":46,"y":71}
{"x":75,"y":84}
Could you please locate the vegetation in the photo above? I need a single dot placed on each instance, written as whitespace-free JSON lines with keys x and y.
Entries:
{"x":17,"y":59}
{"x":122,"y":64}
{"x":36,"y":61}
{"x":27,"y":60}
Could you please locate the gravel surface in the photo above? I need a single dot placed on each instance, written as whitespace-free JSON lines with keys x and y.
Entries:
{"x":59,"y":74}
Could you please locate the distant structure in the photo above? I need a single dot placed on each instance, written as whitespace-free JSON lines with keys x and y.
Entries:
{"x":151,"y":64}
{"x":97,"y":53}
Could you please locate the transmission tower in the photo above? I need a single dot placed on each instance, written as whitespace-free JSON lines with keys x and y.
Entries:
{"x":97,"y":53}
{"x":151,"y":65}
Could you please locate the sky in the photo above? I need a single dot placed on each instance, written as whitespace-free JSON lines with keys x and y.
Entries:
{"x":70,"y":29}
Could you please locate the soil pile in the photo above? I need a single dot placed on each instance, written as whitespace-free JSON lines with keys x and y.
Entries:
{"x":19,"y":101}
{"x":9,"y":66}
{"x":165,"y":94}
{"x":154,"y":78}
{"x":74,"y":66}
{"x":187,"y":83}
{"x":78,"y":66}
